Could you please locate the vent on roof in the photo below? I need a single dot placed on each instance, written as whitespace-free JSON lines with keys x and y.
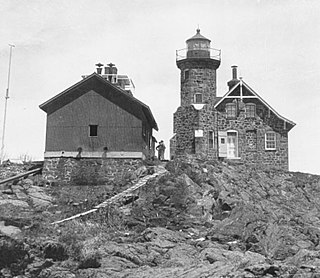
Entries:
{"x":99,"y":68}
{"x":111,"y":74}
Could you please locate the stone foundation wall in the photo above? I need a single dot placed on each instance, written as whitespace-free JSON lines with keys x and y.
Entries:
{"x":87,"y":171}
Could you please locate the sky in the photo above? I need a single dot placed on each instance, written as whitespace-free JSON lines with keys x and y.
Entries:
{"x":275,"y":45}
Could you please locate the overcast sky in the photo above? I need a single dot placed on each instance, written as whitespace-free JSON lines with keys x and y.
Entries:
{"x":274,"y":43}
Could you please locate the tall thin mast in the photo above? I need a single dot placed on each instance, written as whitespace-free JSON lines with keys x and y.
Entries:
{"x":5,"y":105}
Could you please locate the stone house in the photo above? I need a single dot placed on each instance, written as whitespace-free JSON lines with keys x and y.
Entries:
{"x":237,"y":126}
{"x":97,"y":118}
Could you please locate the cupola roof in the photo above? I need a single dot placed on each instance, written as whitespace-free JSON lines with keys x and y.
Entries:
{"x":198,"y":36}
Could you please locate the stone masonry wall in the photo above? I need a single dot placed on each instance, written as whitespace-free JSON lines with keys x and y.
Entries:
{"x":184,"y":123}
{"x":251,"y":140}
{"x":202,"y":79}
{"x":251,"y":136}
{"x":87,"y":171}
{"x":207,"y":123}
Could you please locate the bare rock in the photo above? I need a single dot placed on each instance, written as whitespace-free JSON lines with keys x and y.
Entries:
{"x":12,"y":252}
{"x":9,"y":230}
{"x":17,"y":203}
{"x":55,"y":251}
{"x":35,"y":268}
{"x":56,"y":272}
{"x":38,"y":197}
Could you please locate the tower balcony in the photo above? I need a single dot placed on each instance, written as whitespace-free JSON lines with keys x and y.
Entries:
{"x":198,"y":53}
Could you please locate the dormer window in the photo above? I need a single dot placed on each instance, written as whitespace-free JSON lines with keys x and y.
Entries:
{"x":250,"y":110}
{"x":231,"y":110}
{"x":198,"y":98}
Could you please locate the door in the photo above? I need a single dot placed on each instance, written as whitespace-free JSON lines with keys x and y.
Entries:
{"x":232,"y":144}
{"x":222,"y":138}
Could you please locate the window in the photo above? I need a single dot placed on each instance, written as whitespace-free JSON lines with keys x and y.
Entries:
{"x":93,"y":130}
{"x":198,"y":98}
{"x":231,"y":110}
{"x":250,"y":110}
{"x":211,"y":142}
{"x":144,"y":130}
{"x":270,"y":141}
{"x":186,"y":74}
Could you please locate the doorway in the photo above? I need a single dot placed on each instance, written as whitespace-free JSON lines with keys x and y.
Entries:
{"x":232,"y":144}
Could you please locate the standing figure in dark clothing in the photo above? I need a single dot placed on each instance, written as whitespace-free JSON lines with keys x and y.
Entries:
{"x":161,"y":148}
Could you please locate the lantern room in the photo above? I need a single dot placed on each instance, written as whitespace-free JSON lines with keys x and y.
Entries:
{"x":198,"y":46}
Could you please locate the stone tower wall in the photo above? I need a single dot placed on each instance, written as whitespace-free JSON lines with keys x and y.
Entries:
{"x":207,"y":123}
{"x":185,"y":121}
{"x":201,"y":79}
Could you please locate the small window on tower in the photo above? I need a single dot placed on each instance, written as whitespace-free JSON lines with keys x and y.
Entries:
{"x":93,"y":130}
{"x":186,"y":74}
{"x":198,"y":98}
{"x":211,"y":139}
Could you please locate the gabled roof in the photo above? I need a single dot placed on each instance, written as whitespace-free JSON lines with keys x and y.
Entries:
{"x":250,"y":93}
{"x":105,"y":88}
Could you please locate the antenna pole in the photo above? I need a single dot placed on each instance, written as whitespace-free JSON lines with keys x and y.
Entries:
{"x":5,"y":105}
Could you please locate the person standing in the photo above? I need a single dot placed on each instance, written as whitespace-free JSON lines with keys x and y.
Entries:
{"x":161,"y":149}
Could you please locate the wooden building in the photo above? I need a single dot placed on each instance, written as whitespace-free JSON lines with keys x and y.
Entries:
{"x":97,"y":117}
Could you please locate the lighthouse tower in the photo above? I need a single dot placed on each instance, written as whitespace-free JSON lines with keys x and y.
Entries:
{"x":198,"y":64}
{"x":194,"y":119}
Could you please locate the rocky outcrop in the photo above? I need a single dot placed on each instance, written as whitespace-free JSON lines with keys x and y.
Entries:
{"x":18,"y":202}
{"x":13,"y":254}
{"x":201,"y":219}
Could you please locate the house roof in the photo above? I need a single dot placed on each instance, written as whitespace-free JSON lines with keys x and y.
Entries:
{"x":108,"y":90}
{"x":251,"y":94}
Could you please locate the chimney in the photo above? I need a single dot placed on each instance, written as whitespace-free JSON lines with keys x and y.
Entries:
{"x":111,"y":71}
{"x":99,"y":68}
{"x":234,"y":72}
{"x":107,"y":70}
{"x":234,"y":79}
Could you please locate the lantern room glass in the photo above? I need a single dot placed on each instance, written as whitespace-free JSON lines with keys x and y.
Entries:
{"x":198,"y":48}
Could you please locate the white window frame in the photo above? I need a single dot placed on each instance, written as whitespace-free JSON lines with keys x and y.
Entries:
{"x":254,"y":113}
{"x":267,"y":140}
{"x":235,"y":110}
